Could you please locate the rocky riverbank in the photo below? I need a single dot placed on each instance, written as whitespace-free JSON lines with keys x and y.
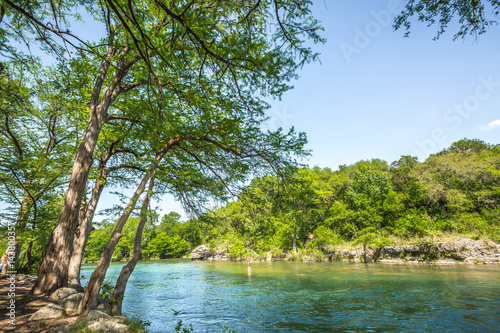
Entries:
{"x":460,"y":250}
{"x":54,"y":314}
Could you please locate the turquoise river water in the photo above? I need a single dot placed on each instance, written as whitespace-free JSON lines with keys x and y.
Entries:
{"x":312,"y":297}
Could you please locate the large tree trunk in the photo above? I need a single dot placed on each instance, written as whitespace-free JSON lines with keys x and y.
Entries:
{"x":91,"y":295}
{"x":86,"y":217}
{"x":14,"y":250}
{"x":53,"y":270}
{"x":83,"y":232}
{"x":121,"y":282}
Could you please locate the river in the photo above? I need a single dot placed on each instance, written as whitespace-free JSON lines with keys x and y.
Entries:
{"x":312,"y":297}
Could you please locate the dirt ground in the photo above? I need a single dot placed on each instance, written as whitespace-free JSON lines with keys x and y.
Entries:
{"x":25,"y":306}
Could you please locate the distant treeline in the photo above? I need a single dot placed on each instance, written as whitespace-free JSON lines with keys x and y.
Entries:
{"x":456,"y":191}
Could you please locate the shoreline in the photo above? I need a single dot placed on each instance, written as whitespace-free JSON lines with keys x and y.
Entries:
{"x":457,"y":251}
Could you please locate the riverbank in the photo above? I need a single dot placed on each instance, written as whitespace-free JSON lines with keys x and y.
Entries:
{"x":24,"y":307}
{"x":452,"y":251}
{"x":23,"y":313}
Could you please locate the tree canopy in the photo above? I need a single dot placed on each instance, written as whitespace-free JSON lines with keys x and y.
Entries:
{"x":474,"y":17}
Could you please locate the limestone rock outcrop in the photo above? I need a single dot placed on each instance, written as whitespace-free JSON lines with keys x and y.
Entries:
{"x":202,"y":252}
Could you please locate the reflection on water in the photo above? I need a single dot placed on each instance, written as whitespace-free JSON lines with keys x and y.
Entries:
{"x":312,"y":297}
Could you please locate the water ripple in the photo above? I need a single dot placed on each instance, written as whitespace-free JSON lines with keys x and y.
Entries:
{"x":312,"y":297}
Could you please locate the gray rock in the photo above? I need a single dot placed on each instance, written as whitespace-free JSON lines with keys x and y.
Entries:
{"x":103,"y":305}
{"x":348,"y":254}
{"x":96,"y":316}
{"x":108,"y":326}
{"x":392,"y":251}
{"x":411,"y":248}
{"x":459,"y":255}
{"x":48,"y":312}
{"x":61,"y":294}
{"x":70,"y":303}
{"x":201,"y":252}
{"x":119,"y":319}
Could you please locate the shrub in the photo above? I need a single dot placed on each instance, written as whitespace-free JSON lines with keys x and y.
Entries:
{"x":166,"y":246}
{"x":238,"y":250}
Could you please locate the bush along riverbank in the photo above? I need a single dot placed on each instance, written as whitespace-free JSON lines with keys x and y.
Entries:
{"x":459,"y":250}
{"x":396,"y":211}
{"x":446,"y":209}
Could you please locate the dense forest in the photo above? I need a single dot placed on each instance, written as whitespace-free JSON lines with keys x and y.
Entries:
{"x":454,"y":193}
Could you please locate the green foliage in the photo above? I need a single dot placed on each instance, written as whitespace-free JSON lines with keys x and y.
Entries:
{"x":475,"y":16}
{"x":367,"y":203}
{"x":179,"y":328}
{"x":324,"y":238}
{"x":454,"y":191}
{"x":106,"y":291}
{"x":165,"y":246}
{"x":79,"y":327}
{"x":413,"y":223}
{"x":238,"y":250}
{"x":137,"y":325}
{"x":367,"y":236}
{"x":38,"y":118}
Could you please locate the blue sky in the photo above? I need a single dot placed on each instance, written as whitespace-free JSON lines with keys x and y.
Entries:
{"x":376,"y":94}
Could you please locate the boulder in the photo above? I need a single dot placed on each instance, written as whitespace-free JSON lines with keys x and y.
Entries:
{"x":61,"y":294}
{"x":77,"y":287}
{"x":107,"y":326}
{"x":201,"y":252}
{"x":96,"y":316}
{"x":70,"y":303}
{"x":48,"y":312}
{"x":103,"y":305}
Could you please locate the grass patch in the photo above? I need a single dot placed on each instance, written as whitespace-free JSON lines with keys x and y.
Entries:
{"x":79,"y":327}
{"x":137,"y":325}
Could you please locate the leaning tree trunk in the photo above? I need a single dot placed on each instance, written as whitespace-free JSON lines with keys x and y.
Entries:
{"x":53,"y":270}
{"x":15,"y":250}
{"x":86,"y":216}
{"x":121,"y":282}
{"x":82,"y":234}
{"x":91,"y":295}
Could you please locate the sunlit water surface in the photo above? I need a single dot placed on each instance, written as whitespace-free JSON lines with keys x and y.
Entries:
{"x":312,"y":297}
